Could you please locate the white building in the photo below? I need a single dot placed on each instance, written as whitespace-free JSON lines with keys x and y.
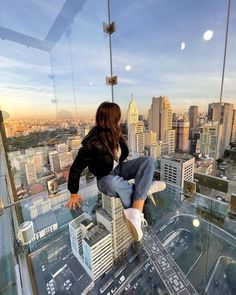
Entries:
{"x":211,"y":140}
{"x":175,"y":168}
{"x":54,"y":161}
{"x":77,"y":233}
{"x":30,"y":171}
{"x":97,"y":251}
{"x":111,"y":216}
{"x":65,"y":159}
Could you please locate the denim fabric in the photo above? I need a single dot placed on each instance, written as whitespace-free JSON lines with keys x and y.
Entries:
{"x":116,"y":183}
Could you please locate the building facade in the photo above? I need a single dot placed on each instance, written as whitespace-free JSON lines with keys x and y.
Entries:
{"x":175,"y":168}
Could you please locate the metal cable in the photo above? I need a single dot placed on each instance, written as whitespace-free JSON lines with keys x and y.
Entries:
{"x":110,"y":49}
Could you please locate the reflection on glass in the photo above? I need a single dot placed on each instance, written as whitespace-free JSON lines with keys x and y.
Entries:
{"x":53,"y":79}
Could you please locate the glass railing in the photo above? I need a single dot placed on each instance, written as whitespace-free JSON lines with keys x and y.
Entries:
{"x":56,"y":61}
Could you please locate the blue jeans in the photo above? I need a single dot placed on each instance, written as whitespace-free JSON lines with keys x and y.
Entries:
{"x":116,"y":183}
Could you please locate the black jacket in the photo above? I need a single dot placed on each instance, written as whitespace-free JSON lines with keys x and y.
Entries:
{"x":94,"y":155}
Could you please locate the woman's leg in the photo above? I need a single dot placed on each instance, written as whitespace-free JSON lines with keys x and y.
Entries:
{"x":114,"y":185}
{"x":141,"y":169}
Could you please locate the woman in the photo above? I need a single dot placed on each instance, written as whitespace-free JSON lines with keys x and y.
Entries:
{"x":103,"y":151}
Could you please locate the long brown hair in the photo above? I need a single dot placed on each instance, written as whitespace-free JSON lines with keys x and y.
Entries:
{"x":107,"y":118}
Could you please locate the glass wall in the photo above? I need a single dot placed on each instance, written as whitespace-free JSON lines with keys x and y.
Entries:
{"x":54,"y":61}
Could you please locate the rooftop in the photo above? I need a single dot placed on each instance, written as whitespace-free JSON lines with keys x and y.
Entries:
{"x":95,"y":234}
{"x":177,"y":157}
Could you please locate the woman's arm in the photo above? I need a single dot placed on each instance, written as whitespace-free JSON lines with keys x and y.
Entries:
{"x":81,"y":161}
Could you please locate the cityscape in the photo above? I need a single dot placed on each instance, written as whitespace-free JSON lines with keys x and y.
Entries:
{"x":95,"y":251}
{"x":170,"y":66}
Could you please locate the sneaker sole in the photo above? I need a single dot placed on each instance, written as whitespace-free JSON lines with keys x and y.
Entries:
{"x":132,"y":229}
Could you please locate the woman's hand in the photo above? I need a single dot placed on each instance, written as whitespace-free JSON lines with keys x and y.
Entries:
{"x":74,"y":201}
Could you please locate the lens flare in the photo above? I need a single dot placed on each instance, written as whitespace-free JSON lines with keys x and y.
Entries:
{"x":208,"y":35}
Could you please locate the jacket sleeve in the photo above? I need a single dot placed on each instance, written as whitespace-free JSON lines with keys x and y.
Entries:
{"x":81,"y":161}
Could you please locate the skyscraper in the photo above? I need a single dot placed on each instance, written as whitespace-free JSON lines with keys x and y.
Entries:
{"x":111,"y":216}
{"x":134,"y":126}
{"x":181,"y":127}
{"x":176,"y":168}
{"x":30,"y":171}
{"x":193,"y":113}
{"x":132,"y":114}
{"x":233,"y":129}
{"x":97,"y":251}
{"x":223,"y":114}
{"x":160,"y":121}
{"x":211,"y":139}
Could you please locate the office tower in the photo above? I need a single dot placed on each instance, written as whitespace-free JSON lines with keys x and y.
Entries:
{"x":160,"y":121}
{"x":233,"y":129}
{"x":111,"y":216}
{"x":193,"y":114}
{"x":136,"y":137}
{"x":223,"y":113}
{"x":153,"y":150}
{"x":78,"y":229}
{"x":150,"y":138}
{"x":65,"y":159}
{"x":175,"y":168}
{"x":140,"y":143}
{"x":97,"y":251}
{"x":132,"y":114}
{"x":211,"y":140}
{"x":38,"y":161}
{"x":54,"y":161}
{"x":181,"y":127}
{"x":62,"y":148}
{"x":135,"y":142}
{"x":30,"y":171}
{"x":91,"y":245}
{"x":74,"y":142}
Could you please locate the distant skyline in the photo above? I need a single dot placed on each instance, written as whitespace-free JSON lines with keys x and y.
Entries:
{"x":158,"y":50}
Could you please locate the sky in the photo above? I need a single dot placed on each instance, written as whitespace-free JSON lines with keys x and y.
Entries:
{"x":148,"y":39}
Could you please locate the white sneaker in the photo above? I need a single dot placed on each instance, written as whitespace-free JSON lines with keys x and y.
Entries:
{"x":157,"y":186}
{"x":134,"y":219}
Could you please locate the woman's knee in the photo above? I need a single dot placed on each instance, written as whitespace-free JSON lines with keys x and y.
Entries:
{"x":149,"y":162}
{"x":107,"y":185}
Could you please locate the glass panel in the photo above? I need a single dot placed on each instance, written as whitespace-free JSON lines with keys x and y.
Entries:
{"x":54,"y":79}
{"x":7,"y":263}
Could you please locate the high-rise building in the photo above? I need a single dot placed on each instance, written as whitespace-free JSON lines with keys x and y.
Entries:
{"x":111,"y":216}
{"x":38,"y":161}
{"x":91,"y":245}
{"x":74,"y":142}
{"x":132,"y":114}
{"x":97,"y":251}
{"x":78,"y":229}
{"x":150,"y":137}
{"x":181,"y":127}
{"x":211,"y":140}
{"x":233,"y":129}
{"x":30,"y":171}
{"x":153,"y":150}
{"x":175,"y":168}
{"x":54,"y":161}
{"x":223,"y":114}
{"x":65,"y":159}
{"x":135,"y":142}
{"x":160,"y":121}
{"x":193,"y":114}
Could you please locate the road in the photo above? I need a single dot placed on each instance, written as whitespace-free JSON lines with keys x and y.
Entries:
{"x":166,"y":267}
